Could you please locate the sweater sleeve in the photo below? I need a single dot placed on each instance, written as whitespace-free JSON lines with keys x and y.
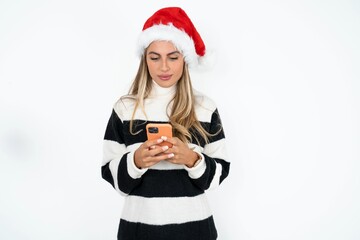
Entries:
{"x":213,"y":167}
{"x":118,"y":167}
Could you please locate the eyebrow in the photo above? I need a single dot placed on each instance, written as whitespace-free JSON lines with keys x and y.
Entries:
{"x":174,"y":52}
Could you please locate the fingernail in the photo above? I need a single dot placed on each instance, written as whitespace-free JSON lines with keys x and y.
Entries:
{"x":152,"y":147}
{"x":159,"y":140}
{"x":164,"y":148}
{"x":170,"y":155}
{"x":164,"y":138}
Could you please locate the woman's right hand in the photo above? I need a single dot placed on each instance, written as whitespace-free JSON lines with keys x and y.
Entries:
{"x":149,"y":153}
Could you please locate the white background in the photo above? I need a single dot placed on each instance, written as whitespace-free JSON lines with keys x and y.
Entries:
{"x":286,"y":81}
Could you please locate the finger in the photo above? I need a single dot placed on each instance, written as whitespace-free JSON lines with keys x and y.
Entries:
{"x":150,"y":143}
{"x":173,"y":141}
{"x":167,"y":155}
{"x":157,"y":150}
{"x":152,"y":157}
{"x":176,"y":150}
{"x":173,"y":160}
{"x":162,"y":157}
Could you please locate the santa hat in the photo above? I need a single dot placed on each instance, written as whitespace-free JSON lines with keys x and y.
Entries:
{"x":173,"y":24}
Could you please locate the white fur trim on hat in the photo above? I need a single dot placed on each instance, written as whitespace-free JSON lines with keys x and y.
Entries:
{"x":180,"y":39}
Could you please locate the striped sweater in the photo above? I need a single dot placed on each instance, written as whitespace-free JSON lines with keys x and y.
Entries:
{"x":165,"y":201}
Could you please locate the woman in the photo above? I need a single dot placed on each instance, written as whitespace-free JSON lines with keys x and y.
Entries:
{"x":164,"y":187}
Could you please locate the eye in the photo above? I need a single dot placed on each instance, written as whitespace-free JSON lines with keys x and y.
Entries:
{"x":153,"y":56}
{"x":173,"y":58}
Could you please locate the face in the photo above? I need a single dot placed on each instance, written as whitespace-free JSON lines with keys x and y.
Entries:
{"x":165,"y":63}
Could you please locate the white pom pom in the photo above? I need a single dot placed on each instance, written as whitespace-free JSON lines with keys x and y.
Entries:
{"x":206,"y":62}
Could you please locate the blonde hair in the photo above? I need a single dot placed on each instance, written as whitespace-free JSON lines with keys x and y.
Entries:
{"x":186,"y":125}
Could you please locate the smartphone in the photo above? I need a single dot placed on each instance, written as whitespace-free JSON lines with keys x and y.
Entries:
{"x":157,"y":130}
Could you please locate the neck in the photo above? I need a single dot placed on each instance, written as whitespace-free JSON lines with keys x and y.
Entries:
{"x":157,"y":90}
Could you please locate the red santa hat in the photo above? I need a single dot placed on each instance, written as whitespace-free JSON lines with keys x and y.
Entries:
{"x":173,"y":24}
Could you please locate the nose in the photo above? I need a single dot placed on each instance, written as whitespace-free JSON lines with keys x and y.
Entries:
{"x":164,"y":65}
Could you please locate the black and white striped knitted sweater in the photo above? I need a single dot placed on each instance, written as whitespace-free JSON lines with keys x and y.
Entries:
{"x":165,"y":201}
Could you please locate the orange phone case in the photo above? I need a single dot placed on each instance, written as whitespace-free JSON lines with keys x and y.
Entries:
{"x":157,"y":130}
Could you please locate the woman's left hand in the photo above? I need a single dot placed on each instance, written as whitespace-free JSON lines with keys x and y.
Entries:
{"x":180,"y":152}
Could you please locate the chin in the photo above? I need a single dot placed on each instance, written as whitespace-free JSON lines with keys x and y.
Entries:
{"x":165,"y":84}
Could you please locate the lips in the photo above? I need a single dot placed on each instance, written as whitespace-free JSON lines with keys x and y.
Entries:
{"x":165,"y":77}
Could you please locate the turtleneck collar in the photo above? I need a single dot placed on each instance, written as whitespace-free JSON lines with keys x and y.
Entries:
{"x":158,"y":91}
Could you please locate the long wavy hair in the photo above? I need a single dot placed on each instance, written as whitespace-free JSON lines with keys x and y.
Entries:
{"x":186,"y":125}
